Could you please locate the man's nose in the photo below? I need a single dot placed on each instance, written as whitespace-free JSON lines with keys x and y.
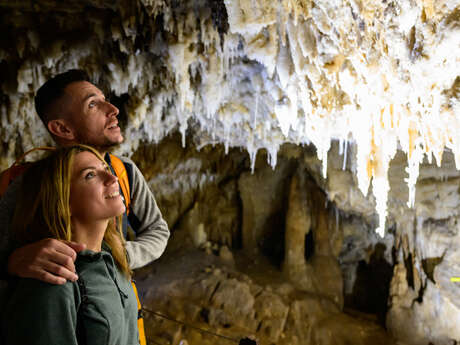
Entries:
{"x":111,"y":109}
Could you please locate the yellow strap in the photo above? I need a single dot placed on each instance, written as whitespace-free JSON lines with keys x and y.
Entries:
{"x":120,"y":171}
{"x":140,"y":319}
{"x":122,"y":174}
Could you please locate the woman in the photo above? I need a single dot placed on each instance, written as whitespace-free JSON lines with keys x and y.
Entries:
{"x":72,"y":195}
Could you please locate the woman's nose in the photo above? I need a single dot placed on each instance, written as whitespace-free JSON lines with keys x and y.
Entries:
{"x":110,"y":178}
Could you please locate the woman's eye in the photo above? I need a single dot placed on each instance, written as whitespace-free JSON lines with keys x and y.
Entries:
{"x":90,"y":175}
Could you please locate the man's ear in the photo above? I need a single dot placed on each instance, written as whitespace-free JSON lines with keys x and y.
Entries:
{"x":61,"y":129}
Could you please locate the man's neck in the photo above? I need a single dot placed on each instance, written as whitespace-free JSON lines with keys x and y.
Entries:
{"x":65,"y":143}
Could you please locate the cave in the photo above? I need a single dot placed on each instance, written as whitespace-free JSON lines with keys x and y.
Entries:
{"x":304,"y":154}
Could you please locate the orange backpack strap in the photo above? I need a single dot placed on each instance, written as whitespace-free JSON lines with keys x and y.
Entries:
{"x":120,"y":170}
{"x":17,"y":169}
{"x":140,"y":318}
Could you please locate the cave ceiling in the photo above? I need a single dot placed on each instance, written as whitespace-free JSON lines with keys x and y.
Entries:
{"x":384,"y":75}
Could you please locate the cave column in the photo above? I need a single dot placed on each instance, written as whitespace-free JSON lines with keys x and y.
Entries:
{"x":298,"y":224}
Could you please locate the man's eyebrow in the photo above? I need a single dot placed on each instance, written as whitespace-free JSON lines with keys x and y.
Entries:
{"x":92,"y":95}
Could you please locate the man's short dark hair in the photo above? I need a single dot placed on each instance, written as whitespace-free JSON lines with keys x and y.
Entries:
{"x":53,"y":90}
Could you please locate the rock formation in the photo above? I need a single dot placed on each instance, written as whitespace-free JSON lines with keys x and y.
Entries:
{"x":261,"y":125}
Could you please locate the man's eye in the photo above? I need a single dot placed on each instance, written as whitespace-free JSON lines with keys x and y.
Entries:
{"x":90,"y":175}
{"x":91,"y":104}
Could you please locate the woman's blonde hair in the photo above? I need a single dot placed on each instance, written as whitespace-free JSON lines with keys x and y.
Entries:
{"x":43,"y":208}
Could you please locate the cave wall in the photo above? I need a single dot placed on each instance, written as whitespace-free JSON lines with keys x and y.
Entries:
{"x":281,"y":276}
{"x":305,"y":234}
{"x":203,"y":86}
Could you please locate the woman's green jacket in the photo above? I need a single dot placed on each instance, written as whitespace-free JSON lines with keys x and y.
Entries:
{"x":39,"y":313}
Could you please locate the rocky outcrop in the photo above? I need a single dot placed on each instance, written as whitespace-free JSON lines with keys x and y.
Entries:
{"x":208,"y":301}
{"x":310,"y":263}
{"x":312,"y":235}
{"x":223,"y":75}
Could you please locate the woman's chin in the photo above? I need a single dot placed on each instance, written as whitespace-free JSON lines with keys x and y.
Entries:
{"x":117,"y":207}
{"x":121,"y":209}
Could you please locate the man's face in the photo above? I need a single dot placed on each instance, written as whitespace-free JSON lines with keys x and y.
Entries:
{"x":92,"y":118}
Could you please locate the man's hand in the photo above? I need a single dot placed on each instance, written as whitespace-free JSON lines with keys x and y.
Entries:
{"x":48,"y":260}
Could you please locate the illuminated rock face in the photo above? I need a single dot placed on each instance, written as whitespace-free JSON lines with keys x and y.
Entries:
{"x":375,"y":75}
{"x":255,"y":74}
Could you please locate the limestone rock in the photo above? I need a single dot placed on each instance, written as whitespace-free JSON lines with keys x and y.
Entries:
{"x":321,"y":273}
{"x":231,"y":304}
{"x":226,"y":256}
{"x":355,"y":254}
{"x":223,"y":75}
{"x":263,"y":195}
{"x":286,"y":72}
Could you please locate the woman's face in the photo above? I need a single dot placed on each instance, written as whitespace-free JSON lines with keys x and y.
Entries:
{"x":94,"y":191}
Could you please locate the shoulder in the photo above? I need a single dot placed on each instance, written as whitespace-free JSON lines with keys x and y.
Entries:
{"x":12,"y":191}
{"x":124,"y":159}
{"x":41,"y":313}
{"x":37,"y":287}
{"x":127,"y":162}
{"x":32,"y":293}
{"x":133,"y":171}
{"x":8,"y":202}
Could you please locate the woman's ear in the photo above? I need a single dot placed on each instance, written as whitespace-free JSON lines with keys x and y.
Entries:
{"x":61,"y":129}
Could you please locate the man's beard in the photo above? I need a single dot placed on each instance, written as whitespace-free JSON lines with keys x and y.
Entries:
{"x":100,"y":147}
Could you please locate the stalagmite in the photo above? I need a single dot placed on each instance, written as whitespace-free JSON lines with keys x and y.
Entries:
{"x":309,"y":260}
{"x":298,"y":225}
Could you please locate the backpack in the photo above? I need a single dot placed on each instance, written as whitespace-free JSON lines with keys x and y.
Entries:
{"x":18,"y":168}
{"x":120,"y":170}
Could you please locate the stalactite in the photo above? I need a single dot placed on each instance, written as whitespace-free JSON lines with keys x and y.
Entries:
{"x":256,"y":74}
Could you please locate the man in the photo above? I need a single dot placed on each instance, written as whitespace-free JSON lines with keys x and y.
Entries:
{"x":76,"y":112}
